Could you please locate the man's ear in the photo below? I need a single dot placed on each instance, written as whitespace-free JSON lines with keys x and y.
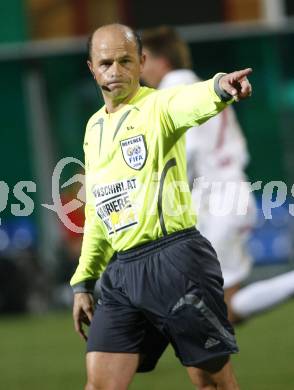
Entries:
{"x":142,"y":61}
{"x":90,"y":66}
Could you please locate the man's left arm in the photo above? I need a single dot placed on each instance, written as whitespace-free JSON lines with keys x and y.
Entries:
{"x":192,"y":105}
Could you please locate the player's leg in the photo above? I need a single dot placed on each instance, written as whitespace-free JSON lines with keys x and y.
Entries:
{"x":214,"y":375}
{"x":229,"y":293}
{"x":114,"y":371}
{"x":121,"y":339}
{"x":263,"y":295}
{"x":115,"y":336}
{"x":228,"y":236}
{"x":110,"y":371}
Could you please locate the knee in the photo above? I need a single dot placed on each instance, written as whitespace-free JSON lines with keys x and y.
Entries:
{"x":90,"y":386}
{"x":203,"y":381}
{"x":104,"y":386}
{"x":204,"y":384}
{"x":93,"y":386}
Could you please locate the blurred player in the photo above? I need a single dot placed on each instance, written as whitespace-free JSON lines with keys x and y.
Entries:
{"x":161,"y":282}
{"x":217,"y":153}
{"x":262,"y":295}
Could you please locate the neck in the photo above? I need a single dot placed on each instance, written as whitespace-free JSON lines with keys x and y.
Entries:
{"x":115,"y":104}
{"x":162,"y":73}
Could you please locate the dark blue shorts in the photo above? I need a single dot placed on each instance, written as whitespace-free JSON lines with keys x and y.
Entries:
{"x":167,"y":291}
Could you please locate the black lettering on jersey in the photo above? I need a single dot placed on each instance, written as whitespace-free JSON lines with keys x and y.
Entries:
{"x":131,"y":184}
{"x":108,"y":225}
{"x":124,"y":202}
{"x":135,"y":159}
{"x":114,"y":206}
{"x":120,"y":187}
{"x":120,"y":204}
{"x":102,"y":212}
{"x":109,"y":208}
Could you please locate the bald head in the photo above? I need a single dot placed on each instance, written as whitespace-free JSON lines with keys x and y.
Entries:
{"x":116,"y":63}
{"x":113,"y":32}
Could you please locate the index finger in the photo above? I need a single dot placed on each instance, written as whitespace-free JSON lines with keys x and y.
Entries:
{"x":78,"y":324}
{"x":89,"y":313}
{"x":239,"y":74}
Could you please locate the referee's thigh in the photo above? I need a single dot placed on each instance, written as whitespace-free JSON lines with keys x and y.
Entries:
{"x":110,"y":371}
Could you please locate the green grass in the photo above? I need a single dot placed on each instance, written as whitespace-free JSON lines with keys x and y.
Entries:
{"x":42,"y":353}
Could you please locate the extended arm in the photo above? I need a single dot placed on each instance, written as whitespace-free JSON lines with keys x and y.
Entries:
{"x":187,"y":106}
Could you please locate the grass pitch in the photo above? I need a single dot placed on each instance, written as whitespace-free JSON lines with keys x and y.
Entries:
{"x":44,"y":353}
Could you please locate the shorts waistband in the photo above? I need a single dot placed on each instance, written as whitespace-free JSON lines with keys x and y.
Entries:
{"x":153,"y":246}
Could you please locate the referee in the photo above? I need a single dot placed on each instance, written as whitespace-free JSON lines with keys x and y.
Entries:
{"x":161,"y":279}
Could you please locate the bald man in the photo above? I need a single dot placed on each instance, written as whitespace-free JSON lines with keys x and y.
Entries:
{"x":161,"y":280}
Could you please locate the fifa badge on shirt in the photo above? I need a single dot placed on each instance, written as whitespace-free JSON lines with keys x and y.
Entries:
{"x":134,"y":151}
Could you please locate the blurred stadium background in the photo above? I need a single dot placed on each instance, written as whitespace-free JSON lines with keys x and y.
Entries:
{"x":46,"y":98}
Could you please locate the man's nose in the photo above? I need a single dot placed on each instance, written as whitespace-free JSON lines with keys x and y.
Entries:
{"x":115,"y":69}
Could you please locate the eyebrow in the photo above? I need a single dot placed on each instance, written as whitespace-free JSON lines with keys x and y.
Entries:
{"x":110,"y":59}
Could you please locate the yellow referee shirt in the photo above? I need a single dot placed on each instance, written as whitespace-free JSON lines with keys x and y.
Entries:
{"x":136,"y":184}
